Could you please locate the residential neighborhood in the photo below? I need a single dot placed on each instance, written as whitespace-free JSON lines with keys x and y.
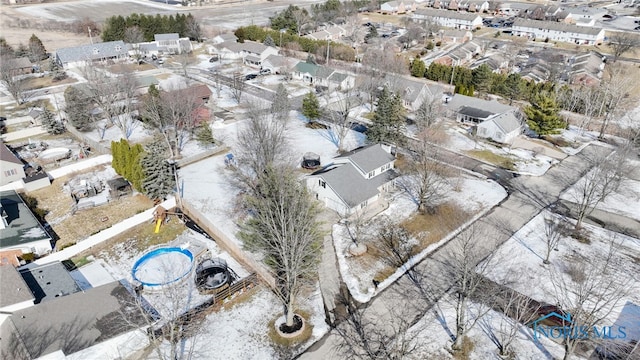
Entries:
{"x":321,"y":179}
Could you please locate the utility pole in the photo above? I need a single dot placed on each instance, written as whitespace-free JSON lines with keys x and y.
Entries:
{"x":328,"y":43}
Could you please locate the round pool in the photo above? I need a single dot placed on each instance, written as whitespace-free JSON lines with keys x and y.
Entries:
{"x":162,"y":266}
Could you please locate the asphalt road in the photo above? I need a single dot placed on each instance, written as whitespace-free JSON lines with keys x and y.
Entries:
{"x":400,"y":302}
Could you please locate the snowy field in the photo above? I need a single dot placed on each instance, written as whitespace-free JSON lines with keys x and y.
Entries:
{"x":521,"y":259}
{"x":434,"y":331}
{"x":526,"y":162}
{"x":475,"y":196}
{"x":624,"y":201}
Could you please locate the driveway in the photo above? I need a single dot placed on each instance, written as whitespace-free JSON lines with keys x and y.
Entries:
{"x":538,"y":146}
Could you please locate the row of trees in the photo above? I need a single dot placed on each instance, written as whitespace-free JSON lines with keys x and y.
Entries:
{"x":146,"y":168}
{"x":34,"y":49}
{"x":336,"y":50}
{"x":137,"y":28}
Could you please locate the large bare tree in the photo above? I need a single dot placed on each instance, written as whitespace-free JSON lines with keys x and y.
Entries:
{"x":174,"y":114}
{"x":339,"y":114}
{"x":114,"y":94}
{"x":590,"y":289}
{"x":616,"y":85}
{"x":284,"y":228}
{"x":602,"y":180}
{"x":9,"y":77}
{"x":622,"y":42}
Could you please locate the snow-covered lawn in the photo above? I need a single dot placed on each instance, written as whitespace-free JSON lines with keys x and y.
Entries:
{"x":523,"y":254}
{"x":526,"y":162}
{"x":474,"y":196}
{"x":624,"y":201}
{"x":433,"y":335}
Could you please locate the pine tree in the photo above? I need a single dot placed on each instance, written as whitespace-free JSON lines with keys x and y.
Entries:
{"x":50,"y":123}
{"x":482,"y":77}
{"x":387,"y":124}
{"x":158,"y":179}
{"x":77,"y":109}
{"x":311,"y":106}
{"x":5,"y":48}
{"x":543,"y":115}
{"x":280,"y":106}
{"x":418,"y":67}
{"x":204,"y":134}
{"x":37,"y":51}
{"x":268,"y":41}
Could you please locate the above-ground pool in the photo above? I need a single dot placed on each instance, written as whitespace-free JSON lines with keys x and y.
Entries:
{"x":162,"y":266}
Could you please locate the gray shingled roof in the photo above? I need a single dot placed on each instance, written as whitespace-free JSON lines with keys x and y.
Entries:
{"x":7,"y":155}
{"x":92,"y":51}
{"x":171,"y":36}
{"x":19,"y":63}
{"x":253,"y":47}
{"x":70,"y":323}
{"x":276,"y":60}
{"x":556,"y":26}
{"x":49,"y":281}
{"x":13,"y":288}
{"x":351,"y":186}
{"x":368,"y":158}
{"x":22,"y":227}
{"x":446,"y":14}
{"x":457,"y":102}
{"x":507,"y":122}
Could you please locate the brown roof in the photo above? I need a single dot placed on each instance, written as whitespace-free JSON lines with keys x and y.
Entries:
{"x":8,"y":156}
{"x":19,"y":63}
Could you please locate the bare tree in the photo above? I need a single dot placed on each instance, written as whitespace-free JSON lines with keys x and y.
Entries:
{"x":173,"y":318}
{"x":339,"y":113}
{"x":302,"y":19}
{"x":517,"y":311}
{"x":283,"y":227}
{"x":622,"y":42}
{"x":554,"y":230}
{"x":590,"y":289}
{"x":134,"y":36}
{"x":462,"y":265}
{"x":9,"y":77}
{"x":262,"y":143}
{"x":369,"y":334}
{"x":280,"y":106}
{"x":430,"y":26}
{"x":237,"y":86}
{"x":395,"y":243}
{"x":174,"y":114}
{"x":615,"y":87}
{"x":426,"y":179}
{"x":428,"y":112}
{"x":115,"y":95}
{"x":601,"y":181}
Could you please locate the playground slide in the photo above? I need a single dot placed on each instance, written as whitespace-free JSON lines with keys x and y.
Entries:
{"x":158,"y":226}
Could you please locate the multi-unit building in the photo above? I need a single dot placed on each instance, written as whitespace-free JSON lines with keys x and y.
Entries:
{"x":557,"y":31}
{"x":450,"y":19}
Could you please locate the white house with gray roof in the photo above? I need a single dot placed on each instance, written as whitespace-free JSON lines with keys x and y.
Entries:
{"x":355,"y":180}
{"x":450,"y":19}
{"x":413,"y":92}
{"x":493,"y":120}
{"x":558,"y":31}
{"x":78,"y":56}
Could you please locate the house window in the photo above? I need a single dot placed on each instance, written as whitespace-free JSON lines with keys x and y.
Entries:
{"x":118,"y":48}
{"x":96,"y":51}
{"x":371,"y":174}
{"x":363,"y":204}
{"x":10,"y":172}
{"x":322,"y":183}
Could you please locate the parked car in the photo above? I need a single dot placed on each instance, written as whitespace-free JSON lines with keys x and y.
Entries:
{"x":160,"y":61}
{"x":250,"y":76}
{"x":265,"y":72}
{"x":214,"y":58}
{"x":154,"y":57}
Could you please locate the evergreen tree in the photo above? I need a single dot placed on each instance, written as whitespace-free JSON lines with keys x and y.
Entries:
{"x":482,"y":77}
{"x":280,"y":106}
{"x":285,"y":20}
{"x":268,"y":41}
{"x":50,"y":123}
{"x":78,"y":109}
{"x":387,"y":124}
{"x":311,"y":106}
{"x":37,"y":51}
{"x":5,"y":48}
{"x":126,"y":162}
{"x":204,"y":134}
{"x":372,"y":34}
{"x":159,"y":180}
{"x":543,"y":115}
{"x":418,"y":67}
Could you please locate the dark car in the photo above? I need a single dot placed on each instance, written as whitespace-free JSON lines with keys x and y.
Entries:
{"x":214,"y":58}
{"x":250,"y":76}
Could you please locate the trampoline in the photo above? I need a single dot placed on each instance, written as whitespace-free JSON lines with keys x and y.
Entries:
{"x":212,"y":274}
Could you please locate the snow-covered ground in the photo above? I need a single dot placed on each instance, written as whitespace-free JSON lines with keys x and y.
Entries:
{"x":624,"y":201}
{"x":521,"y":259}
{"x":433,"y":333}
{"x":526,"y":162}
{"x":474,"y":196}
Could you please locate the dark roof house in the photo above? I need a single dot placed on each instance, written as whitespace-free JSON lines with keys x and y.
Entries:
{"x":21,"y":229}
